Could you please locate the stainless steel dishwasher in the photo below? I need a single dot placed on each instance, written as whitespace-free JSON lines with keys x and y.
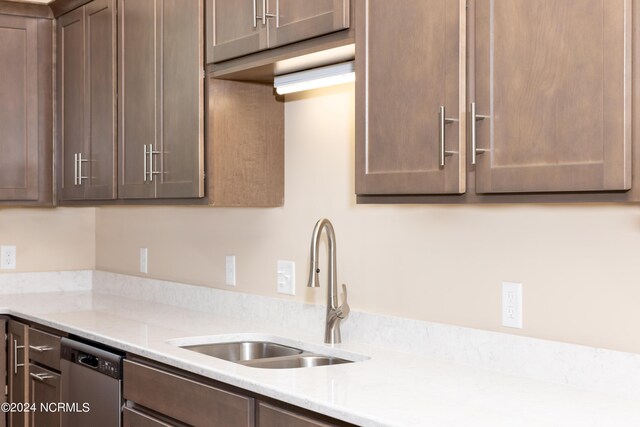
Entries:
{"x":91,"y":385}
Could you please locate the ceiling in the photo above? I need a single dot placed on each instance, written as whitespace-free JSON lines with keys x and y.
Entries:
{"x":33,"y":1}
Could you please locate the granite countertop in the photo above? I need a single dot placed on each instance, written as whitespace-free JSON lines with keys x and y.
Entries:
{"x":384,"y":388}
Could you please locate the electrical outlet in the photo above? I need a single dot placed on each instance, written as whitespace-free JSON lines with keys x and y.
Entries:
{"x":7,"y":257}
{"x":512,"y":305}
{"x":144,"y":260}
{"x":286,"y":277}
{"x":230,"y":270}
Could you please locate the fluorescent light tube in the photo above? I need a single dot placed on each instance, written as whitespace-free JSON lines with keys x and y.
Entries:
{"x":315,"y":78}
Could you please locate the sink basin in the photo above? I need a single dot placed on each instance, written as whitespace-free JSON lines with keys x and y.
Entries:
{"x":259,"y":351}
{"x":243,"y":351}
{"x":301,"y":361}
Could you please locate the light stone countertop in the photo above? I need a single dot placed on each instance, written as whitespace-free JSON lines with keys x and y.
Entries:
{"x":389,"y":389}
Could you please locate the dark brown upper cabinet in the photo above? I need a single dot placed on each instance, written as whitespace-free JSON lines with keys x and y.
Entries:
{"x":86,"y":73}
{"x":554,"y":80}
{"x":549,"y":109}
{"x":161,"y":99}
{"x":410,"y":110}
{"x":26,"y":118}
{"x":240,"y":27}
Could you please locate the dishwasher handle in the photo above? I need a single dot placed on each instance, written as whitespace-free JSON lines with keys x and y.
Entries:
{"x":88,"y":360}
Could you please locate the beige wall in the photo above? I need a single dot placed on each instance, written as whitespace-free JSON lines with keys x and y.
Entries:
{"x":49,"y":239}
{"x":579,"y":265}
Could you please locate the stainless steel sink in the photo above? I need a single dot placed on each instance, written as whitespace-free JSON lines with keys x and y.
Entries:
{"x":241,"y":351}
{"x":302,"y":361}
{"x":264,"y":354}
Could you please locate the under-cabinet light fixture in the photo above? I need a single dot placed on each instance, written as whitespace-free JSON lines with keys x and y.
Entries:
{"x":315,"y":78}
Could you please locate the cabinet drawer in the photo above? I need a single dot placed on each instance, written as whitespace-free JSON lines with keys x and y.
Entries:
{"x":271,"y":416}
{"x":44,"y":348}
{"x":133,"y":418}
{"x":44,"y":390}
{"x":185,"y":400}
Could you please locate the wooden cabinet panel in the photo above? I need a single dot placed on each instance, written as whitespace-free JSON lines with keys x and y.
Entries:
{"x":245,"y":144}
{"x":297,"y":20}
{"x":100,"y":99}
{"x":44,"y":348}
{"x":133,"y":418}
{"x":71,"y":102}
{"x":234,"y":28}
{"x":185,"y":400}
{"x":241,"y":27}
{"x":86,"y":102}
{"x":272,"y":416}
{"x":137,"y":76}
{"x":410,"y":62}
{"x":19,"y":162}
{"x":181,"y":140}
{"x":160,"y":99}
{"x":44,"y":388}
{"x":18,"y":367}
{"x":555,"y":80}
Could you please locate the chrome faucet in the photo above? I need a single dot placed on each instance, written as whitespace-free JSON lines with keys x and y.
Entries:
{"x":335,"y":313}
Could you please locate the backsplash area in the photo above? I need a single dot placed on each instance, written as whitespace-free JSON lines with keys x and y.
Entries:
{"x":588,"y":368}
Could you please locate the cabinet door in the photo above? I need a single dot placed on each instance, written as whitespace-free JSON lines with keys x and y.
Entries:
{"x":554,"y":79}
{"x":19,"y":161}
{"x":71,"y":106}
{"x":139,"y":68}
{"x":44,"y":389}
{"x":410,"y":62}
{"x":18,"y":377}
{"x":180,"y":133}
{"x":297,"y":20}
{"x":100,"y":100}
{"x":235,"y":28}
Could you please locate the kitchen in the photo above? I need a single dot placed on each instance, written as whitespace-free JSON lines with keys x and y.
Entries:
{"x":424,"y":283}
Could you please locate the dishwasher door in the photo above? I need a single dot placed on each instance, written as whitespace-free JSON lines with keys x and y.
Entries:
{"x":93,"y":398}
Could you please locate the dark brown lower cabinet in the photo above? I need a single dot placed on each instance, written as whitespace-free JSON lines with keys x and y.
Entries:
{"x":18,"y":376}
{"x":272,"y":416}
{"x":3,"y":369}
{"x":135,"y":418}
{"x":183,"y":399}
{"x":158,"y":395}
{"x":44,"y":393}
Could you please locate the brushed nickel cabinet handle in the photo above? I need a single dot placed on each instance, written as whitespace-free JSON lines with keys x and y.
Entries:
{"x":40,"y":348}
{"x":255,"y":13}
{"x":40,"y":377}
{"x":152,"y":172}
{"x":16,"y":365}
{"x":144,"y":162}
{"x":75,"y":168}
{"x":80,"y":162}
{"x":265,"y":15}
{"x":442,"y":122}
{"x":150,"y":151}
{"x":475,"y":118}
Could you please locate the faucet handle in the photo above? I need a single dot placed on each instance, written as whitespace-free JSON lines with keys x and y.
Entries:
{"x":343,"y":311}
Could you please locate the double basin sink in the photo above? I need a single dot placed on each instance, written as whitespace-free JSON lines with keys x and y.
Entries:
{"x":264,"y":354}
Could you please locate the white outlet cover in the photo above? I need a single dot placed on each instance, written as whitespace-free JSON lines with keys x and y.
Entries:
{"x":8,"y":257}
{"x":230,"y":270}
{"x":512,"y":305}
{"x":286,"y":276}
{"x":144,"y":260}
